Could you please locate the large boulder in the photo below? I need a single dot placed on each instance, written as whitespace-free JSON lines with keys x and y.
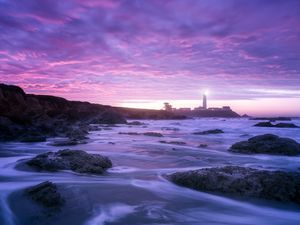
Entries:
{"x":75,"y":160}
{"x":267,"y":144}
{"x":46,"y":194}
{"x":242,"y":181}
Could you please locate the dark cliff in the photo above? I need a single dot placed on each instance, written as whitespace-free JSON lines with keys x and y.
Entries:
{"x":35,"y":115}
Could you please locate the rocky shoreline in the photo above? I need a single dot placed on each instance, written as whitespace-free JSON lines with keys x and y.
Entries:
{"x":31,"y":118}
{"x":34,"y":118}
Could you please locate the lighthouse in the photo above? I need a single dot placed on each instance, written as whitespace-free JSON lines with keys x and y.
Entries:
{"x":204,"y":105}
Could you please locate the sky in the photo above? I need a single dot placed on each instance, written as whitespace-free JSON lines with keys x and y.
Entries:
{"x":141,"y":53}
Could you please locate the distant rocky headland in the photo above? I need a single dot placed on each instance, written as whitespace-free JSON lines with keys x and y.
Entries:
{"x":30,"y":118}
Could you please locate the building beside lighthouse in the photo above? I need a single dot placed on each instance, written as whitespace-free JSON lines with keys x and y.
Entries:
{"x":204,"y":103}
{"x":203,"y":110}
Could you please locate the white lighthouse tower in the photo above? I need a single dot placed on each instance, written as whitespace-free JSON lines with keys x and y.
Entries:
{"x":204,"y":104}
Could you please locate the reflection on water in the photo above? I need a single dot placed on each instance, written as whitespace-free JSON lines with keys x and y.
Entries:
{"x":134,"y":190}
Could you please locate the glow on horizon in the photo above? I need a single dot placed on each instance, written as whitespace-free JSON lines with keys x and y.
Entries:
{"x":253,"y":107}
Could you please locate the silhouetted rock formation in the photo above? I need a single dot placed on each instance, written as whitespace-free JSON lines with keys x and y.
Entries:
{"x":278,"y":125}
{"x":75,"y":160}
{"x":267,"y":144}
{"x":241,"y":181}
{"x":46,"y":194}
{"x":215,"y":131}
{"x":33,"y":118}
{"x":27,"y":117}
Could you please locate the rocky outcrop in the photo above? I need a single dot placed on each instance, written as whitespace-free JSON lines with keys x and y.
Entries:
{"x":46,"y":194}
{"x":27,"y":117}
{"x":267,"y":144}
{"x":278,"y":125}
{"x":23,"y":115}
{"x":215,"y":131}
{"x":75,"y":160}
{"x":241,"y":181}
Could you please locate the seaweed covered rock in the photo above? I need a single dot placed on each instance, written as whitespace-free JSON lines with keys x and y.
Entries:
{"x":242,"y":181}
{"x":46,"y":194}
{"x":75,"y":160}
{"x":267,"y":144}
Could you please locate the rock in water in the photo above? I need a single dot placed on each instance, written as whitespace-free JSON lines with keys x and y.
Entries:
{"x":173,"y":142}
{"x":267,"y":144}
{"x":46,"y":194}
{"x":264,"y":124}
{"x":286,"y":125}
{"x":278,"y":125}
{"x":153,"y":134}
{"x":75,"y":160}
{"x":242,"y":181}
{"x":215,"y":131}
{"x":135,"y":123}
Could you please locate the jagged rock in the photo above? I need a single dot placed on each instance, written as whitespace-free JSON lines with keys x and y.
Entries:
{"x":46,"y":194}
{"x":267,"y":144}
{"x":153,"y":134}
{"x":215,"y":131}
{"x":75,"y":160}
{"x":241,"y":181}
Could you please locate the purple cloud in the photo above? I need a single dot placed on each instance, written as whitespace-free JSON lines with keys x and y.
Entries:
{"x":151,"y":49}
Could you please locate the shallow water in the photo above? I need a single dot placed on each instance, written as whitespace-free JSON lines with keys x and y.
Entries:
{"x":134,"y":190}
